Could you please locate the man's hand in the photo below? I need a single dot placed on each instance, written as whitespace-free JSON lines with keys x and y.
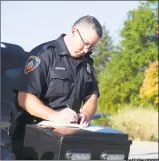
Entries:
{"x":88,"y":109}
{"x":65,"y":115}
{"x":83,"y":118}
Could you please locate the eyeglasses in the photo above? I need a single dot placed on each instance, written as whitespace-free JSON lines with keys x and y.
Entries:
{"x":90,"y":48}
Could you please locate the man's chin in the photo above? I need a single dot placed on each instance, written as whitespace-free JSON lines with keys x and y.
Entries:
{"x":77,"y":55}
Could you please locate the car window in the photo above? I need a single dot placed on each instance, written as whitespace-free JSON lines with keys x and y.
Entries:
{"x":14,"y":73}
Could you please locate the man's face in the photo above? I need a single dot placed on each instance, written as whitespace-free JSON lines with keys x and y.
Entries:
{"x":84,"y":40}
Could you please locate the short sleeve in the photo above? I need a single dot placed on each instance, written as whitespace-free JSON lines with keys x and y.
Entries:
{"x":93,"y":87}
{"x":35,"y":73}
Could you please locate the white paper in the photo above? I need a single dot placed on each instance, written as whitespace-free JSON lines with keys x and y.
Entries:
{"x":53,"y":124}
{"x":92,"y":128}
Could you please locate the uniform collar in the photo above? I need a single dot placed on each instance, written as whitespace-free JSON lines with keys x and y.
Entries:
{"x":61,"y":46}
{"x":63,"y":50}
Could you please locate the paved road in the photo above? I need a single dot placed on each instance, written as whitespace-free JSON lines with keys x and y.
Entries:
{"x":144,"y":150}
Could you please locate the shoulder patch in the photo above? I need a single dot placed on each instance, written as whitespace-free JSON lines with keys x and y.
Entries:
{"x":32,"y":63}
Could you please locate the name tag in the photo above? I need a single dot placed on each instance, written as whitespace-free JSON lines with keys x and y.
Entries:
{"x":60,"y":68}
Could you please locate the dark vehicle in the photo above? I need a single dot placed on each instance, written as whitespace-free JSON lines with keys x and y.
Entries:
{"x":13,"y":59}
{"x":60,"y":143}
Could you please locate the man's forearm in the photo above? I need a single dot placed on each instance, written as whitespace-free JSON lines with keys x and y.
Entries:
{"x":34,"y":106}
{"x":90,"y":106}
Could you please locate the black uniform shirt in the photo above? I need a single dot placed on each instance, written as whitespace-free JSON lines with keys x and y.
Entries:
{"x":57,"y":78}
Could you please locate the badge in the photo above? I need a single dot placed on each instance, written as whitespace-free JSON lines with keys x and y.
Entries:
{"x":88,"y":68}
{"x":31,"y":64}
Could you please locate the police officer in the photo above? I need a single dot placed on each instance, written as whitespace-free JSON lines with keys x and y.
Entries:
{"x":58,"y":76}
{"x":58,"y":79}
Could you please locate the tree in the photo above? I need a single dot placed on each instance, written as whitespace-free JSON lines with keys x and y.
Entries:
{"x":122,"y":78}
{"x":149,"y":89}
{"x":102,"y":52}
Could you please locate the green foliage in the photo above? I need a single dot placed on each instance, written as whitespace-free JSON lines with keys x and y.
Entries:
{"x":120,"y":80}
{"x":103,"y":51}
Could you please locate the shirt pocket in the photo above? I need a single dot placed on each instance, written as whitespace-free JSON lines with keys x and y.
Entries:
{"x":60,"y":83}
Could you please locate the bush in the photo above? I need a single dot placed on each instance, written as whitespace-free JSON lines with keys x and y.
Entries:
{"x":138,"y":123}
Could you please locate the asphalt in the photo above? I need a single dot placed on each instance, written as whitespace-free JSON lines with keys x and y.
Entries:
{"x":144,"y":150}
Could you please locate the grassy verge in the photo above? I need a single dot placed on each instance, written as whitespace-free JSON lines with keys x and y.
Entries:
{"x":138,"y":123}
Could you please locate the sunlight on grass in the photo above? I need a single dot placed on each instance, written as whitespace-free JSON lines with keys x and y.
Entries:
{"x":138,"y":123}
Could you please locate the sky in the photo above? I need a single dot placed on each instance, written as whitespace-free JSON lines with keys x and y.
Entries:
{"x":30,"y":23}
